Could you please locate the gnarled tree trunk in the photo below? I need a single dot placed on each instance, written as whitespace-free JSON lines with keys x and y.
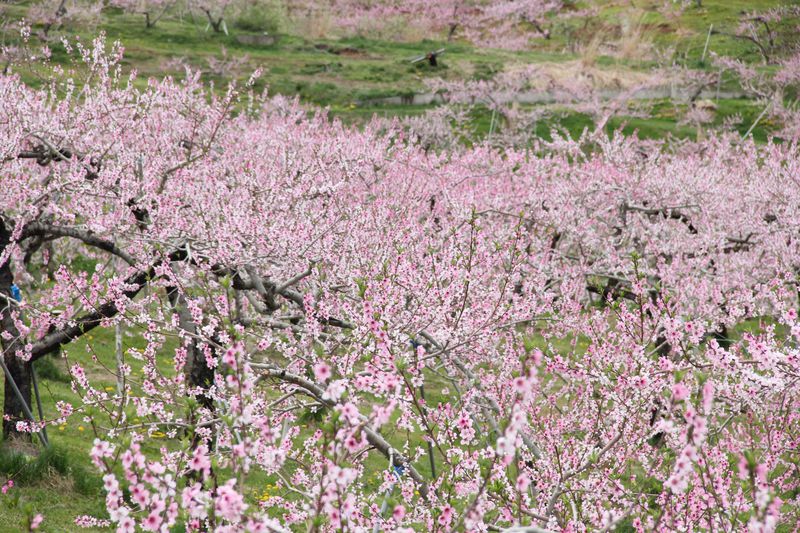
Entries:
{"x":13,"y":408}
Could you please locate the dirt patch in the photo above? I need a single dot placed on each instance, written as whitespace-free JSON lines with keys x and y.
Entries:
{"x":256,"y":40}
{"x":351,"y":52}
{"x":346,"y":51}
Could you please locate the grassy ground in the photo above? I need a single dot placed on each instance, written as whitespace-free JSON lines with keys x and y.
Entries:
{"x":687,"y":34}
{"x":61,"y":483}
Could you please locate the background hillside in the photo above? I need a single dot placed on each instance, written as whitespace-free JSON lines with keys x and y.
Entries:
{"x":361,"y":72}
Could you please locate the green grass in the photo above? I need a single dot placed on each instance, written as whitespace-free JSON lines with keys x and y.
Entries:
{"x":322,"y":71}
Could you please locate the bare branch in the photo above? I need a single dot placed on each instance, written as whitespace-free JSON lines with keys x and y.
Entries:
{"x":43,"y":229}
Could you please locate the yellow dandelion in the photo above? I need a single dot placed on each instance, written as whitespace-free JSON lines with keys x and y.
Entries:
{"x":266,"y":495}
{"x":80,"y":428}
{"x":109,"y":389}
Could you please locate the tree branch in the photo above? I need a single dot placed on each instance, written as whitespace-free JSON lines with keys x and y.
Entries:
{"x":89,"y":321}
{"x":43,"y":229}
{"x":373,"y":437}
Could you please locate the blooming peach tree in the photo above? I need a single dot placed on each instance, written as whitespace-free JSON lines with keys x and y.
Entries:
{"x":592,"y":334}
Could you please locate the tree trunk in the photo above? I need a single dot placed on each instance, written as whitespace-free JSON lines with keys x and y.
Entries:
{"x":216,"y":24}
{"x":13,"y":408}
{"x":544,"y":31}
{"x":197,"y":372}
{"x":451,"y":32}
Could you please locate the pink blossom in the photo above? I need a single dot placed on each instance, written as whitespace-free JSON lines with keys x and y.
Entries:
{"x":679,"y":392}
{"x":322,"y":372}
{"x":398,"y":513}
{"x":200,"y":461}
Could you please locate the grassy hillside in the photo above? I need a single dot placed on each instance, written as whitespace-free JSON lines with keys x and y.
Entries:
{"x":352,"y":75}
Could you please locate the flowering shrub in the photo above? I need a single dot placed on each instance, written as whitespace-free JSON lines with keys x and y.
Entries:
{"x":590,"y":334}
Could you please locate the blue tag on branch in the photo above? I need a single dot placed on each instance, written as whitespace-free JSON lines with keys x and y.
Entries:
{"x":16,"y":293}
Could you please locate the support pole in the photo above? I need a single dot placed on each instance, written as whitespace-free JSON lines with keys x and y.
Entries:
{"x":708,"y":38}
{"x":430,"y":444}
{"x":120,"y":358}
{"x":22,"y":400}
{"x":35,"y":380}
